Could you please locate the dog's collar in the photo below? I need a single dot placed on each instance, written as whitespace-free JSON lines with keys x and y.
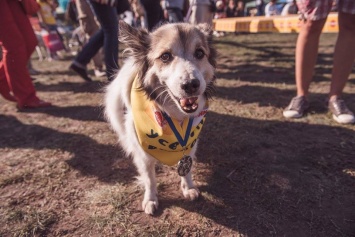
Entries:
{"x":161,"y":136}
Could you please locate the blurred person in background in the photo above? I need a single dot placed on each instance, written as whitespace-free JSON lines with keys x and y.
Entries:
{"x":240,"y":9}
{"x":260,"y":7}
{"x":220,"y":10}
{"x":175,"y":10}
{"x":140,"y":14}
{"x":48,"y":22}
{"x":154,"y":13}
{"x":18,"y":42}
{"x":290,"y":8}
{"x":106,"y":36}
{"x":271,"y":9}
{"x":231,"y":9}
{"x":201,"y":11}
{"x":89,"y":25}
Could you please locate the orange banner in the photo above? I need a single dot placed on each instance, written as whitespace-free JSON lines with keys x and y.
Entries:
{"x":280,"y":24}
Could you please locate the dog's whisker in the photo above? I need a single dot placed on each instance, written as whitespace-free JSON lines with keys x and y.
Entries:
{"x":167,"y":96}
{"x":159,"y":87}
{"x":161,"y":94}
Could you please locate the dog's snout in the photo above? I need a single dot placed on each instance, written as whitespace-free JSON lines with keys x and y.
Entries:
{"x":191,"y":86}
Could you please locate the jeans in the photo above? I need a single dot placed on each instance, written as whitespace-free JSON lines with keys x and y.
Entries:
{"x":155,"y":14}
{"x":107,"y":37}
{"x":175,"y":15}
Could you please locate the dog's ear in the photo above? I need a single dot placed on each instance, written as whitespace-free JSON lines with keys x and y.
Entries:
{"x":137,"y":43}
{"x":136,"y":40}
{"x":206,"y":29}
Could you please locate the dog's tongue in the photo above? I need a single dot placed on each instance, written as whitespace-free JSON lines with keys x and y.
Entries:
{"x":187,"y":101}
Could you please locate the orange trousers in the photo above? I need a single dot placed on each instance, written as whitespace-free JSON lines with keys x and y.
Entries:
{"x":18,"y":42}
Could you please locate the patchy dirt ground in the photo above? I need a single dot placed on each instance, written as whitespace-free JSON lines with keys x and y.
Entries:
{"x":62,"y":174}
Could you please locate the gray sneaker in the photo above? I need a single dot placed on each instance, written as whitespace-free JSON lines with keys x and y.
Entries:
{"x":296,"y":108}
{"x":340,"y":111}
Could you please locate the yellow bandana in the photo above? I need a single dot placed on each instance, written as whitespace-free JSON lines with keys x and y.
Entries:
{"x":164,"y":138}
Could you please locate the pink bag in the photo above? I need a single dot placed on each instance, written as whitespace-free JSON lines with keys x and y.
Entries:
{"x":52,"y":41}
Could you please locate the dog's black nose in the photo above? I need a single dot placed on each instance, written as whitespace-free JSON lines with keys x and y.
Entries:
{"x":191,"y":86}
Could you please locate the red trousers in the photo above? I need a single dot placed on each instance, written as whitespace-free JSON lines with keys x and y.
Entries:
{"x":18,"y":42}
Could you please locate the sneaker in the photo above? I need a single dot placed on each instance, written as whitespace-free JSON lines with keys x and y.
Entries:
{"x":340,"y":111}
{"x":296,"y":108}
{"x":81,"y":71}
{"x":99,"y":73}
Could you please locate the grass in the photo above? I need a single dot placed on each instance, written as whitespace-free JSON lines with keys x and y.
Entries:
{"x":30,"y":222}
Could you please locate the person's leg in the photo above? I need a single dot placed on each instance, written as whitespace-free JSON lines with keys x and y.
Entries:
{"x":306,"y":57}
{"x":89,"y":50}
{"x":201,"y":14}
{"x":344,"y":54}
{"x":5,"y":90}
{"x":175,"y":15}
{"x":18,"y":42}
{"x":154,"y":13}
{"x":107,"y":16}
{"x":306,"y":54}
{"x":90,"y":26}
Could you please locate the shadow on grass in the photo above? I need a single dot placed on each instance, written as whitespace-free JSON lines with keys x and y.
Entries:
{"x":89,"y":157}
{"x":80,"y":113}
{"x":271,"y":178}
{"x":279,"y":98}
{"x":267,"y":178}
{"x":76,"y":87}
{"x":256,"y":53}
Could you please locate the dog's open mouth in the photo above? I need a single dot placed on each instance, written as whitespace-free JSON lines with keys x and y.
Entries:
{"x":189,"y":105}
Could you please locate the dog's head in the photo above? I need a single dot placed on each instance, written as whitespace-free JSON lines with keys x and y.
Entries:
{"x":175,"y":63}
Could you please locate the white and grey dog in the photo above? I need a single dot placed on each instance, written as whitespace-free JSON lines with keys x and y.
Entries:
{"x":158,"y":101}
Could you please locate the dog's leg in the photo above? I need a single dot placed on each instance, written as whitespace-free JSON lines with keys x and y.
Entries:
{"x":188,"y":188}
{"x":146,"y":170}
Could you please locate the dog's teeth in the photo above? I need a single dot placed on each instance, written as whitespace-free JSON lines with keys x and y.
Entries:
{"x":187,"y":101}
{"x":183,"y":102}
{"x":189,"y":104}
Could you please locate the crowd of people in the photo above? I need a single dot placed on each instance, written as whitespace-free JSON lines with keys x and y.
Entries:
{"x":98,"y":23}
{"x":237,"y":8}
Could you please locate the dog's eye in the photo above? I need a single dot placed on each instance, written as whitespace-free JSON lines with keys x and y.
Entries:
{"x":199,"y":54}
{"x":166,"y":57}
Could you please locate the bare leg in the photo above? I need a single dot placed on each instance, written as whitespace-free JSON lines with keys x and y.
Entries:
{"x":306,"y":54}
{"x":344,"y":54}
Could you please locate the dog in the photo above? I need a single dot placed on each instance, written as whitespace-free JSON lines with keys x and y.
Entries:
{"x":158,"y":101}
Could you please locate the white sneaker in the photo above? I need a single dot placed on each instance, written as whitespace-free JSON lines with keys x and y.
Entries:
{"x":296,"y":108}
{"x":340,"y":111}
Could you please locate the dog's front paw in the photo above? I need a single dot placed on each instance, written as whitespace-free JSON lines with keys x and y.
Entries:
{"x":150,"y":206}
{"x":192,"y":193}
